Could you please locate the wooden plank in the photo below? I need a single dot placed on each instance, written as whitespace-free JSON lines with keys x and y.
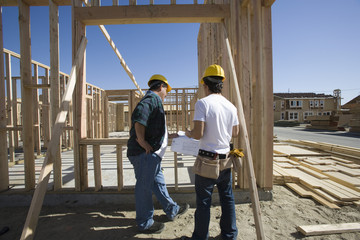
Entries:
{"x":348,"y":171}
{"x":248,"y":153}
{"x":296,"y":151}
{"x":10,"y":99}
{"x":39,"y":194}
{"x":180,"y":13}
{"x":304,"y":192}
{"x":122,"y":61}
{"x":97,"y":167}
{"x":4,"y":167}
{"x":313,"y":173}
{"x":79,"y":110}
{"x":36,"y":112}
{"x":26,"y":94}
{"x":34,"y":2}
{"x":55,"y":84}
{"x":120,"y":171}
{"x":323,"y":229}
{"x":346,"y":178}
{"x":46,"y":110}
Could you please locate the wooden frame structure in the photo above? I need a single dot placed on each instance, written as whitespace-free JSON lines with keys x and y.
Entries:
{"x":248,"y":44}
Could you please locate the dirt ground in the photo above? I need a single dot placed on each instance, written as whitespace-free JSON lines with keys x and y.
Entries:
{"x":279,"y":217}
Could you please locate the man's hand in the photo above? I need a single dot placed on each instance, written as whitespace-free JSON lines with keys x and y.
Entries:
{"x":173,"y":135}
{"x":145,"y":145}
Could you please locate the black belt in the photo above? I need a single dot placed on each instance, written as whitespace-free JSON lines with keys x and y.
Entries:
{"x":211,"y":154}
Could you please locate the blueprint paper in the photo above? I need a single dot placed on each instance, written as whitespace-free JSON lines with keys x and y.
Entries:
{"x":185,"y":145}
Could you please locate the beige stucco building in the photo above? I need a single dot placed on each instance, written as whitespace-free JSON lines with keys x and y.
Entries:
{"x":298,"y":106}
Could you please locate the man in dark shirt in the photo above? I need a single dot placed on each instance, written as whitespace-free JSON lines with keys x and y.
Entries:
{"x":146,"y":147}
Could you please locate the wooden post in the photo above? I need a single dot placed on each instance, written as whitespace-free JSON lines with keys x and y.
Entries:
{"x":4,"y":167}
{"x":10,"y":99}
{"x":97,"y":167}
{"x":15,"y":112}
{"x":267,"y":89}
{"x":80,"y":160}
{"x":46,"y":110}
{"x":39,"y":194}
{"x":37,"y":137}
{"x":26,"y":94}
{"x":176,"y":171}
{"x":120,"y":117}
{"x":120,"y":172}
{"x":248,"y":153}
{"x":55,"y":84}
{"x":106,"y":115}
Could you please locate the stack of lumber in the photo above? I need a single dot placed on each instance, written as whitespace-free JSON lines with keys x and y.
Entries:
{"x":331,"y":181}
{"x":330,"y":148}
{"x":326,"y":122}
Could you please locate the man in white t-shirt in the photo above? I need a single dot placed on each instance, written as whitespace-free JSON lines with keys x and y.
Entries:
{"x":215,"y":123}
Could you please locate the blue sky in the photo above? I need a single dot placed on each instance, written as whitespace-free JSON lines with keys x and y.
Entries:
{"x":316,"y":48}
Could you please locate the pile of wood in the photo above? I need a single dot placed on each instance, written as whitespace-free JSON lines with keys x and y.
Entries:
{"x":329,"y":180}
{"x":325,"y":122}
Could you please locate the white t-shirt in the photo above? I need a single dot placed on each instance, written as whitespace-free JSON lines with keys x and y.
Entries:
{"x":162,"y":149}
{"x":219,"y":115}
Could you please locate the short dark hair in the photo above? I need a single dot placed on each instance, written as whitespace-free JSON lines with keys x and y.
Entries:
{"x":156,"y":84}
{"x":214,"y":83}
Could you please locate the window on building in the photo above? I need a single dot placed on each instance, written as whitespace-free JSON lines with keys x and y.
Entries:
{"x":322,"y":103}
{"x":295,"y":103}
{"x":311,"y":103}
{"x":293,"y":116}
{"x":282,"y":116}
{"x":327,"y":113}
{"x":274,"y":105}
{"x":306,"y":114}
{"x":282,"y":104}
{"x":316,"y":103}
{"x":319,"y":114}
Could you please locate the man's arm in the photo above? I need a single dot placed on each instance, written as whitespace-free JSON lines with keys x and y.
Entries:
{"x":198,"y":130}
{"x":140,"y":137}
{"x":235,"y":131}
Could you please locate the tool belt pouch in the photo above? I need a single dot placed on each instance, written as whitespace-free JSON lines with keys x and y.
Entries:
{"x":225,"y":163}
{"x":207,"y":167}
{"x":236,"y":161}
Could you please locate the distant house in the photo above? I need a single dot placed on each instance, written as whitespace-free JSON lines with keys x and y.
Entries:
{"x":353,"y":107}
{"x":298,"y":106}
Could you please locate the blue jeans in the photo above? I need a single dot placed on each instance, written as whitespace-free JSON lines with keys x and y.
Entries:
{"x":204,"y":188}
{"x":150,"y":179}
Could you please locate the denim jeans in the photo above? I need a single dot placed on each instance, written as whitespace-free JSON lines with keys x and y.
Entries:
{"x":150,"y":179}
{"x":204,"y":188}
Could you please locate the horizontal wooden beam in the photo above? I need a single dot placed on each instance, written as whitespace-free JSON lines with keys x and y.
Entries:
{"x":185,"y":13}
{"x":34,"y":2}
{"x":118,"y":98}
{"x":104,"y":141}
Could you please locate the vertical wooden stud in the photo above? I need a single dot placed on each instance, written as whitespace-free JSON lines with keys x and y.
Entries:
{"x":10,"y":99}
{"x":97,"y":167}
{"x":37,"y":138}
{"x":120,"y":173}
{"x":80,"y":159}
{"x":106,"y":115}
{"x":46,"y":110}
{"x":26,"y":94}
{"x":4,"y":168}
{"x":55,"y":84}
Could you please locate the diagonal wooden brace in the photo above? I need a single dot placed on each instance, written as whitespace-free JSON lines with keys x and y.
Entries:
{"x":39,"y":194}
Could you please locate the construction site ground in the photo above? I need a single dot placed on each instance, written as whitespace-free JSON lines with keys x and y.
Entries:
{"x":279,"y":217}
{"x":110,"y":220}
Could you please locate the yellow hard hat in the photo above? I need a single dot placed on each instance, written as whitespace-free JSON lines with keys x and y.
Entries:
{"x":213,"y":70}
{"x":160,"y":78}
